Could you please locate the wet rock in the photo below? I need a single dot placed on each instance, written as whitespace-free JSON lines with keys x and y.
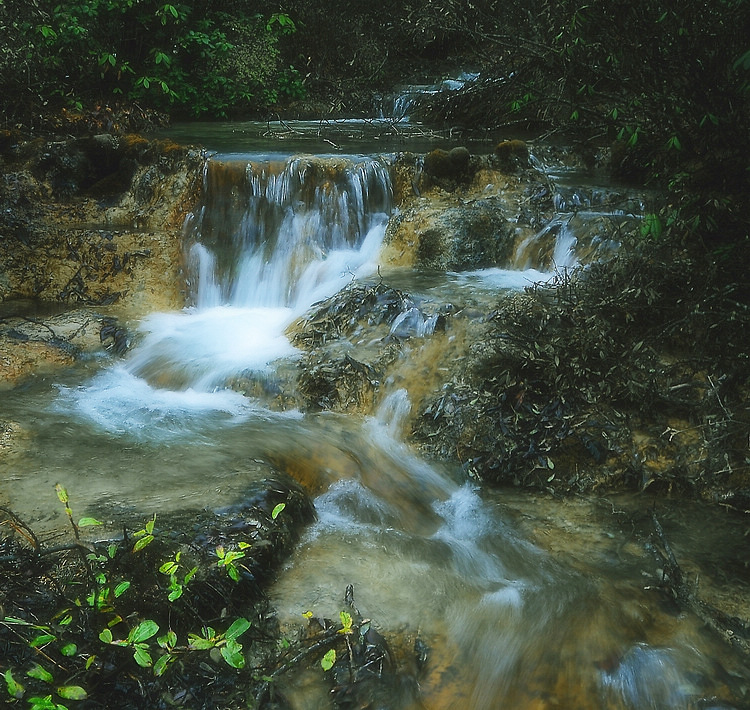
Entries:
{"x":97,"y":220}
{"x":351,"y":308}
{"x":32,"y":345}
{"x":453,"y":238}
{"x":474,"y":223}
{"x":343,"y":385}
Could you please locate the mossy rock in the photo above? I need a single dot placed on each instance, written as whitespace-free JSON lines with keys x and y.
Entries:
{"x":451,"y":164}
{"x":512,"y":154}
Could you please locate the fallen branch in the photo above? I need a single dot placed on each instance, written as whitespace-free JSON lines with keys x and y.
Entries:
{"x":734,"y":630}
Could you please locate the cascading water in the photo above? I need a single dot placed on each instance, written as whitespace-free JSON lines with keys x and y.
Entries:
{"x":430,"y":555}
{"x":271,"y":238}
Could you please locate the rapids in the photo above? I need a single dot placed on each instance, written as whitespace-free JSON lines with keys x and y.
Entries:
{"x":523,"y":601}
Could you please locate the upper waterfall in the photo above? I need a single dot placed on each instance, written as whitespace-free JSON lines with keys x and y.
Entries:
{"x":270,"y":238}
{"x":276,"y":233}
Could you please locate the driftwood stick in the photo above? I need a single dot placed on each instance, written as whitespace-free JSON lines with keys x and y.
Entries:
{"x":732,"y":629}
{"x":21,"y":527}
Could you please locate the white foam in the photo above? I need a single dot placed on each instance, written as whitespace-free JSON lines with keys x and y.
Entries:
{"x":206,"y":346}
{"x":120,"y":403}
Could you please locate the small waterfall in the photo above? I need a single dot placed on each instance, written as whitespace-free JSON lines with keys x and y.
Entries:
{"x":270,"y":238}
{"x":281,"y":233}
{"x":400,"y":105}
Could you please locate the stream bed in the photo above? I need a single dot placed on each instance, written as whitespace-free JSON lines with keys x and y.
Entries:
{"x":521,"y":600}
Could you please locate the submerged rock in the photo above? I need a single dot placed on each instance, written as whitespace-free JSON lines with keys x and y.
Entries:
{"x":33,"y":345}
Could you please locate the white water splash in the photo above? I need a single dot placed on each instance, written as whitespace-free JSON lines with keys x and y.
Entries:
{"x":118,"y":402}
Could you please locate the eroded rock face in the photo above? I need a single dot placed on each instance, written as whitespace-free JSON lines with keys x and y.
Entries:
{"x":89,"y":221}
{"x":459,"y":212}
{"x":38,"y":344}
{"x":96,"y":221}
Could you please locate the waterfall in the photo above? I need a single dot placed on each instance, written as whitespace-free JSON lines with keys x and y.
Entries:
{"x":270,"y":238}
{"x":285,"y":233}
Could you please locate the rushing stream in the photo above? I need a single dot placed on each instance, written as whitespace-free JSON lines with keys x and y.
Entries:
{"x":523,"y":602}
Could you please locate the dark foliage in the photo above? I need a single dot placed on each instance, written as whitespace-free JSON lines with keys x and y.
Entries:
{"x":577,"y":366}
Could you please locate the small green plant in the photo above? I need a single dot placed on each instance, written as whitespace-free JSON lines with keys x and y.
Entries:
{"x":651,"y":227}
{"x":145,"y":536}
{"x":229,"y":647}
{"x":171,"y":568}
{"x":228,"y":559}
{"x":136,"y":640}
{"x":64,"y":498}
{"x":328,"y":660}
{"x":346,"y":623}
{"x":42,"y":635}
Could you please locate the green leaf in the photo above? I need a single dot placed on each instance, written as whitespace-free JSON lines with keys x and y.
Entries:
{"x":45,"y":704}
{"x":238,"y":627}
{"x":72,"y":692}
{"x":41,"y":640}
{"x":142,"y":656}
{"x":743,"y":62}
{"x":62,"y":494}
{"x":200,"y":644}
{"x":40,"y":673}
{"x":140,"y":544}
{"x":168,"y":640}
{"x":328,"y":660}
{"x":88,"y":522}
{"x":145,"y":630}
{"x":69,"y":650}
{"x":651,"y":226}
{"x":175,"y":594}
{"x":21,"y":622}
{"x":232,"y":653}
{"x":15,"y":689}
{"x":277,"y":510}
{"x":161,"y":664}
{"x":169,"y":567}
{"x":121,"y":588}
{"x":346,"y":622}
